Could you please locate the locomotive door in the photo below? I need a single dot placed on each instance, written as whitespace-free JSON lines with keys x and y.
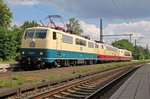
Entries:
{"x":59,"y":45}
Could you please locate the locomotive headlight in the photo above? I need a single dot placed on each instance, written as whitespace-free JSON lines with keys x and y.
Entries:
{"x":23,"y":52}
{"x":41,"y":53}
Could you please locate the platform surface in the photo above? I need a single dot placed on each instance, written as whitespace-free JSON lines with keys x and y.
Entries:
{"x":137,"y":86}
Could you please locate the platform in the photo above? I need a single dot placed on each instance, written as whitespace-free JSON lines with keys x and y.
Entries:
{"x":137,"y":86}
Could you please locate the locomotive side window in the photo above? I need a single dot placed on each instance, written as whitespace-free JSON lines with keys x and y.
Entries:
{"x":90,"y":45}
{"x":83,"y":42}
{"x":40,"y":34}
{"x":67,"y":39}
{"x":127,"y":53}
{"x":54,"y":36}
{"x":96,"y":46}
{"x":78,"y":41}
{"x":111,"y":49}
{"x":29,"y":34}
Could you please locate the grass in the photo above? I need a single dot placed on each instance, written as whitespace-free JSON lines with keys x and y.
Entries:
{"x":55,"y":76}
{"x":16,"y":80}
{"x":8,"y":60}
{"x":7,"y":83}
{"x":19,"y":79}
{"x":1,"y":60}
{"x":104,"y":67}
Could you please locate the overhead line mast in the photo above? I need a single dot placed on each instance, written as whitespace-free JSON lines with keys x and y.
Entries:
{"x":101,"y":31}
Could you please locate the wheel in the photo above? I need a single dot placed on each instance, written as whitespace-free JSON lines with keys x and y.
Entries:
{"x":73,"y":63}
{"x":89,"y":62}
{"x":55,"y":64}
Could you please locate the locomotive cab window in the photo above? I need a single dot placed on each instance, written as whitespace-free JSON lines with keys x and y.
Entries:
{"x":40,"y":34}
{"x":54,"y":36}
{"x":29,"y":34}
{"x":36,"y":34}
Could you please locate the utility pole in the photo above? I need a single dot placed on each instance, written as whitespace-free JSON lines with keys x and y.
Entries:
{"x":147,"y":51}
{"x":147,"y":46}
{"x":135,"y":50}
{"x":101,"y":31}
{"x":130,"y":37}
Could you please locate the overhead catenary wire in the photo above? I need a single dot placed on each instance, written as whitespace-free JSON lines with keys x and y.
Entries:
{"x":125,"y":17}
{"x":120,"y":12}
{"x":125,"y":8}
{"x":41,"y":9}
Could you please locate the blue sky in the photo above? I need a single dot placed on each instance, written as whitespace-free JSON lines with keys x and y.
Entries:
{"x":36,"y":12}
{"x":119,"y":16}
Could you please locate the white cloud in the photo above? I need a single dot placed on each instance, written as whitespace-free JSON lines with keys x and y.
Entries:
{"x":22,"y":2}
{"x":138,"y":29}
{"x":89,"y":29}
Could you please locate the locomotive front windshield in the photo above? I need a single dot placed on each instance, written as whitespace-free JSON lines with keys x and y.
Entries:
{"x":36,"y":34}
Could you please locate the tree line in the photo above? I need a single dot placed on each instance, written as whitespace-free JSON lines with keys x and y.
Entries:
{"x":10,"y":36}
{"x":138,"y":52}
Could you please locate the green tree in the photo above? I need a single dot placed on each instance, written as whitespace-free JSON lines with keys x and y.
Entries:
{"x":18,"y":32}
{"x":5,"y":15}
{"x":74,"y":27}
{"x":147,"y":53}
{"x":123,"y":44}
{"x":7,"y":39}
{"x":10,"y":38}
{"x":28,"y":24}
{"x":7,"y":44}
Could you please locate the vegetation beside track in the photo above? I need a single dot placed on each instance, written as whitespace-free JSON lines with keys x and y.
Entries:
{"x":19,"y":78}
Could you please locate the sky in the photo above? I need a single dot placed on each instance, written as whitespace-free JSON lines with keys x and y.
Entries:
{"x":119,"y":16}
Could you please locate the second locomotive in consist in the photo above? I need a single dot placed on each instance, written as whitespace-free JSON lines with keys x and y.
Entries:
{"x":45,"y":46}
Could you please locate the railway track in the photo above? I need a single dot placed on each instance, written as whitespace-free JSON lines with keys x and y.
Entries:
{"x":108,"y":89}
{"x":84,"y":88}
{"x":77,"y":86}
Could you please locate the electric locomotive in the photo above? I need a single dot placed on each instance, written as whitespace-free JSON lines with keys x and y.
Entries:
{"x":46,"y":46}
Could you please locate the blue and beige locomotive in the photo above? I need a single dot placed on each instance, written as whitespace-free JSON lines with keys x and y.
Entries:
{"x":44,"y":46}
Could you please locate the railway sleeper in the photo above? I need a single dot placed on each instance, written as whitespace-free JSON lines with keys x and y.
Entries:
{"x":79,"y":93}
{"x":81,"y":90}
{"x":58,"y":97}
{"x":85,"y":88}
{"x":71,"y":95}
{"x":89,"y":86}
